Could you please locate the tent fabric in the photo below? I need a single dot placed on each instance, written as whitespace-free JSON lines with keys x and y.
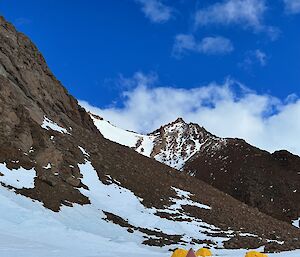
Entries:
{"x":179,"y":253}
{"x":204,"y":252}
{"x":255,"y":254}
{"x":191,"y":253}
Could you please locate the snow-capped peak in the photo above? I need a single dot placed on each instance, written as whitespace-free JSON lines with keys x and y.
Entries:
{"x":178,"y":141}
{"x":172,"y":144}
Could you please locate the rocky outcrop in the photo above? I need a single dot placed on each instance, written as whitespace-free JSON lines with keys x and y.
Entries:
{"x":269,"y":182}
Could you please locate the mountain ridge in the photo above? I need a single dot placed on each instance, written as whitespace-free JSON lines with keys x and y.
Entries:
{"x":60,"y":178}
{"x":191,"y":148}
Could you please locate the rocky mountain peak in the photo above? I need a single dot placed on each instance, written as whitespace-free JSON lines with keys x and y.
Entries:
{"x":178,"y":141}
{"x":179,"y":120}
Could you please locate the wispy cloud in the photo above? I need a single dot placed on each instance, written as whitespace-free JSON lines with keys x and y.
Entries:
{"x":228,"y":109}
{"x":156,"y":11}
{"x":208,"y":45}
{"x":254,"y":57}
{"x":261,"y":57}
{"x":292,"y":6}
{"x":245,"y":13}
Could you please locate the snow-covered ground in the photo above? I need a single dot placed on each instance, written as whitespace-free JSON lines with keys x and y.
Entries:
{"x":19,"y":178}
{"x":30,"y":230}
{"x":125,"y":137}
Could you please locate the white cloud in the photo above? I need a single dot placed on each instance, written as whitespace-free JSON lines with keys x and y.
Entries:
{"x":292,"y":6}
{"x":208,"y":45}
{"x":216,"y":45}
{"x":228,"y":110}
{"x":261,"y":57}
{"x":156,"y":11}
{"x":247,"y":13}
{"x":254,"y":57}
{"x":146,"y":108}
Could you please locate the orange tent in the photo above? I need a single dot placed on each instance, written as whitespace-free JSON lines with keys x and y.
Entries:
{"x":255,"y":254}
{"x":203,"y":252}
{"x":179,"y":253}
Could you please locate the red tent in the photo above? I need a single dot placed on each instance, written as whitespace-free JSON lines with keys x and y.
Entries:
{"x":191,"y":253}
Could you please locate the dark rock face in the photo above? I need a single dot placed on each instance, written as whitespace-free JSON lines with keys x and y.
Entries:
{"x":29,"y":92}
{"x":269,"y":182}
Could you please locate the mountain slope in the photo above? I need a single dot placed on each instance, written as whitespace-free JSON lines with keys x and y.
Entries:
{"x":66,"y":190}
{"x":143,"y":144}
{"x":269,"y":182}
{"x":173,"y":144}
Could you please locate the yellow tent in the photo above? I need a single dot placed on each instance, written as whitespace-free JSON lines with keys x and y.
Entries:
{"x":255,"y":254}
{"x":179,"y":253}
{"x":204,"y":252}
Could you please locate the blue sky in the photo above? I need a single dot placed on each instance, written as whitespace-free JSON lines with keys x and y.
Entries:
{"x":107,"y":52}
{"x":88,"y":44}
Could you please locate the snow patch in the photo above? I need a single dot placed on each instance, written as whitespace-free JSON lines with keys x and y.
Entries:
{"x":49,"y":124}
{"x":17,"y":178}
{"x":48,"y":166}
{"x":296,"y":223}
{"x":185,"y":200}
{"x":84,"y":152}
{"x":141,"y":143}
